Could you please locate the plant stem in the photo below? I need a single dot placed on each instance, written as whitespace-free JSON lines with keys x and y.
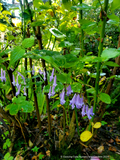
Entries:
{"x":99,"y":64}
{"x":39,"y":37}
{"x":77,"y":121}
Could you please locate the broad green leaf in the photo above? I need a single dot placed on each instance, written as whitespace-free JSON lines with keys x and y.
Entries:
{"x":112,"y":64}
{"x":57,"y":33}
{"x":41,"y":101}
{"x":109,"y":53}
{"x":76,"y":87}
{"x":28,"y":42}
{"x":105,"y":98}
{"x":26,"y":107}
{"x":16,"y":54}
{"x":13,"y":109}
{"x":115,"y":4}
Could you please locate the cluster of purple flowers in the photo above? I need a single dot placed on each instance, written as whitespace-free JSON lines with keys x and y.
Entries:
{"x":76,"y":101}
{"x":19,"y":85}
{"x":3,"y":78}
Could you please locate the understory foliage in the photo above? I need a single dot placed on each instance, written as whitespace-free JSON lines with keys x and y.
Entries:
{"x":59,"y":61}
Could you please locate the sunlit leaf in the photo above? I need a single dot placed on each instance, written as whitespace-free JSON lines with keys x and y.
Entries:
{"x":97,"y":125}
{"x":85,"y":136}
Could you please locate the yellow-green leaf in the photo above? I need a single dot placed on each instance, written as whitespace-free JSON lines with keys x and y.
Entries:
{"x":97,"y":125}
{"x":85,"y":136}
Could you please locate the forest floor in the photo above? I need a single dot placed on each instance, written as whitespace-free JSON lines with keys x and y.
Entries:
{"x":105,"y":144}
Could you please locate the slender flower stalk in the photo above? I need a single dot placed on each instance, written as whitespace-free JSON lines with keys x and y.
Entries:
{"x":77,"y":121}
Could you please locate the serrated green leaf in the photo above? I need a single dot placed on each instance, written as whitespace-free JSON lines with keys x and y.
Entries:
{"x":28,"y":42}
{"x":105,"y":98}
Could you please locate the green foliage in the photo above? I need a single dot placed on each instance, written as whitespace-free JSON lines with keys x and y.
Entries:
{"x":8,"y":157}
{"x":19,"y":104}
{"x":35,"y":149}
{"x":28,"y":42}
{"x":105,"y":98}
{"x":16,"y":54}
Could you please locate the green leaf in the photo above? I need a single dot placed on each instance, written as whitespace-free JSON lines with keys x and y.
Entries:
{"x":112,"y":64}
{"x":60,"y":60}
{"x":37,"y":23}
{"x":88,"y":58}
{"x":76,"y":87}
{"x":67,"y":4}
{"x":105,"y":98}
{"x":16,"y":54}
{"x":13,"y":108}
{"x":82,"y":6}
{"x":63,"y":78}
{"x":65,"y":44}
{"x":57,"y":33}
{"x":28,"y":42}
{"x":109,"y":53}
{"x":26,"y":107}
{"x":91,"y":90}
{"x":115,"y":5}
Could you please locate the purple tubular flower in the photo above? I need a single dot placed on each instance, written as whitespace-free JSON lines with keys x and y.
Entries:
{"x":33,"y":71}
{"x":87,"y":109}
{"x":90,"y":113}
{"x":62,"y":97}
{"x":79,"y":101}
{"x":17,"y":84}
{"x":2,"y":75}
{"x":73,"y":101}
{"x":44,"y":75}
{"x":4,"y":79}
{"x":53,"y":92}
{"x":13,"y":80}
{"x":25,"y":94}
{"x":22,"y":77}
{"x":51,"y":77}
{"x":40,"y":71}
{"x":49,"y":94}
{"x":18,"y":92}
{"x":83,"y":111}
{"x":54,"y":83}
{"x":69,"y":90}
